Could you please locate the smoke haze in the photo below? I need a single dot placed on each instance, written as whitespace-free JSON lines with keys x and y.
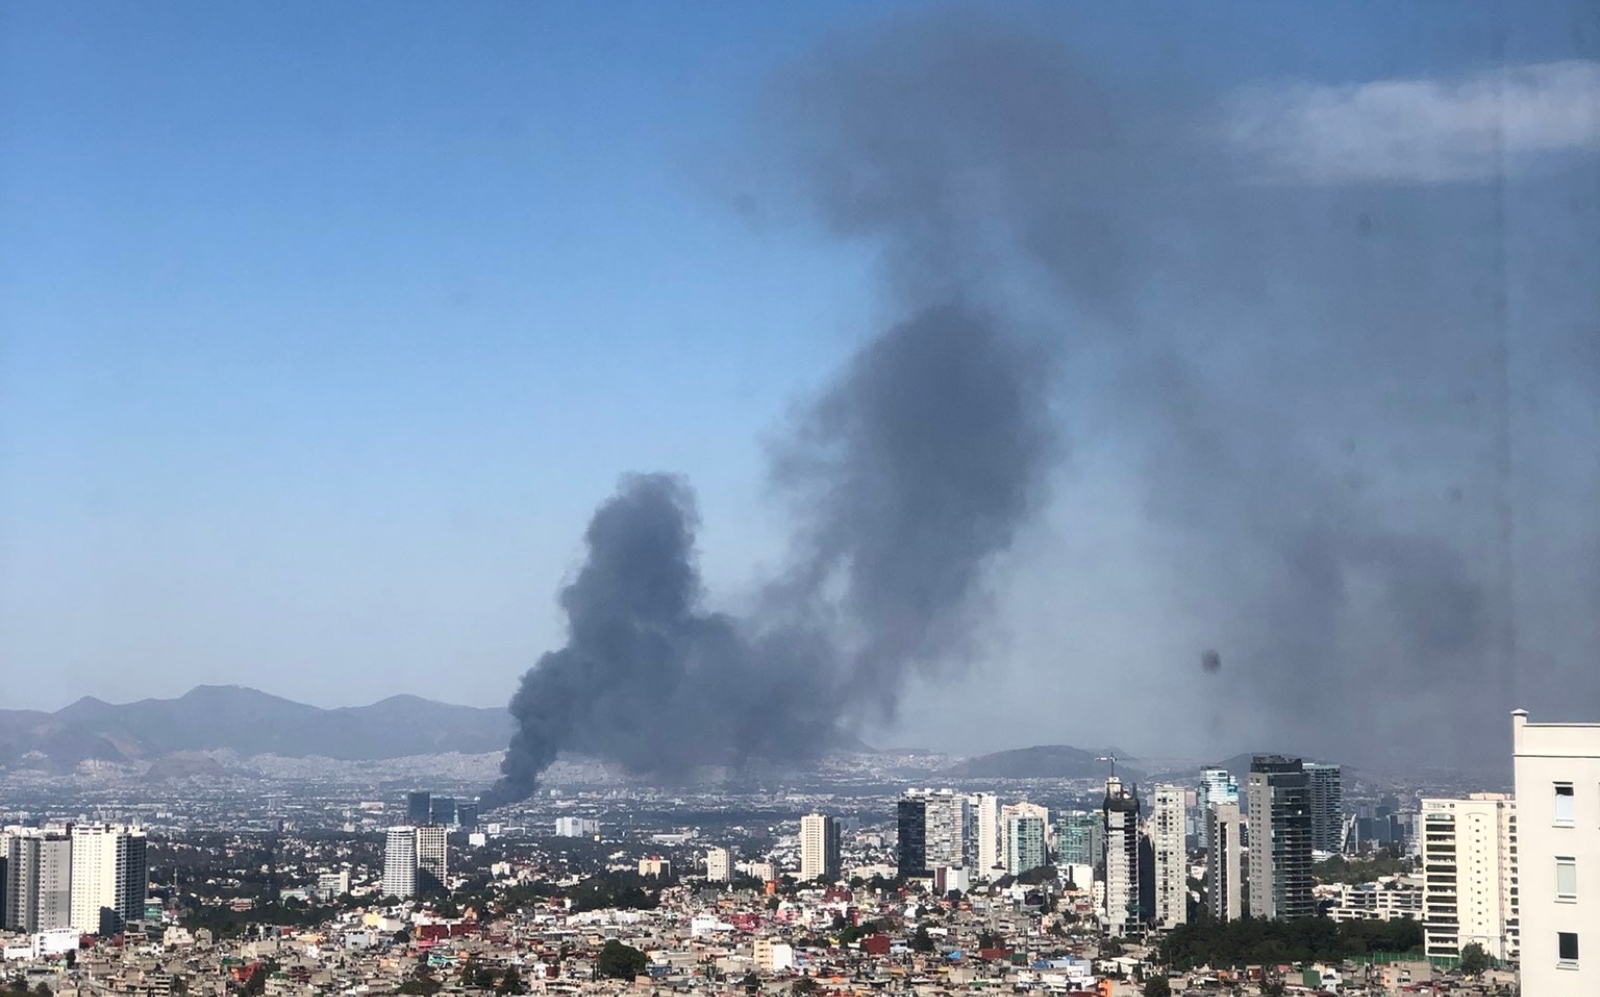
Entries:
{"x":1328,"y":387}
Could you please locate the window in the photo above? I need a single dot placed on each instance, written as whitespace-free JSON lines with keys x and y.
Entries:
{"x":1564,"y":803}
{"x":1567,"y":947}
{"x":1566,"y":878}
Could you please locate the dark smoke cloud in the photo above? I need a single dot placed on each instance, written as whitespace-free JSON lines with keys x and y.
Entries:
{"x":907,"y":476}
{"x":1312,"y":388}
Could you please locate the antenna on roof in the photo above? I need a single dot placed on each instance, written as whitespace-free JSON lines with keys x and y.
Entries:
{"x":1109,"y":758}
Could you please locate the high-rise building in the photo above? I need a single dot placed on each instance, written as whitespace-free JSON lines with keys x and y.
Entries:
{"x":467,"y":816}
{"x":911,"y":846}
{"x":110,"y":876}
{"x":433,"y":853}
{"x":1279,"y":811}
{"x":419,"y":807}
{"x":1217,"y":785}
{"x":986,"y":819}
{"x":1469,"y":881}
{"x":400,"y":863}
{"x":719,"y":865}
{"x":1122,"y":912}
{"x":442,"y":812}
{"x":1168,"y":824}
{"x":819,"y":848}
{"x":1558,"y":855}
{"x":39,"y":881}
{"x":1225,"y":862}
{"x":1081,"y":840}
{"x":1325,"y":784}
{"x":1024,"y":842}
{"x":946,"y":833}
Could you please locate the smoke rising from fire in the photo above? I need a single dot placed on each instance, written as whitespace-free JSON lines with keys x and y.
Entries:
{"x":1323,"y":392}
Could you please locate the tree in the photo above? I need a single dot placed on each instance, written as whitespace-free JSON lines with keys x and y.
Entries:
{"x":922,"y":941}
{"x":511,"y":983}
{"x":1157,"y":986}
{"x":621,"y":962}
{"x":751,"y":982}
{"x":1474,"y":960}
{"x":805,"y":985}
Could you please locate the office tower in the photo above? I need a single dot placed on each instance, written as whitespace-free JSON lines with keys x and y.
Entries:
{"x":400,"y":863}
{"x":39,"y":881}
{"x":1224,"y":862}
{"x":1080,"y":840}
{"x":419,"y":807}
{"x":1558,"y":855}
{"x":719,"y":865}
{"x":986,"y":819}
{"x":1279,"y":811}
{"x":1216,"y":786}
{"x":467,"y":816}
{"x":110,"y":876}
{"x":1024,"y":842}
{"x":1469,"y":882}
{"x":911,"y":845}
{"x":443,"y":811}
{"x":433,"y":854}
{"x":5,"y":885}
{"x":819,"y":848}
{"x":1326,"y":788}
{"x":1121,"y":814}
{"x":1168,"y":825}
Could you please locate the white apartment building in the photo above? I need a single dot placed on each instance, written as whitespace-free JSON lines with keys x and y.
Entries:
{"x":400,"y":863}
{"x":1168,"y":825}
{"x":1391,"y":898}
{"x":985,"y":809}
{"x":110,"y":876}
{"x":945,"y":829}
{"x":1225,"y":860}
{"x":1469,"y":878}
{"x":819,"y":848}
{"x":433,"y":852}
{"x":576,"y":827}
{"x":1558,"y":856}
{"x":719,"y":865}
{"x":333,"y":884}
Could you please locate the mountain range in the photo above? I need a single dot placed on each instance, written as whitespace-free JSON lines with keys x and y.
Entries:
{"x":247,"y":722}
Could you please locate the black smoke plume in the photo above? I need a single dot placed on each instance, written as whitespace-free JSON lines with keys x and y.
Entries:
{"x":1356,"y":419}
{"x":908,"y":476}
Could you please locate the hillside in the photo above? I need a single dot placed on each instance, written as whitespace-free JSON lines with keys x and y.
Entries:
{"x":248,"y":722}
{"x":1044,"y":761}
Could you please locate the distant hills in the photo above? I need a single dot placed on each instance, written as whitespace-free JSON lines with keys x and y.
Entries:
{"x":247,"y":722}
{"x":1044,"y":761}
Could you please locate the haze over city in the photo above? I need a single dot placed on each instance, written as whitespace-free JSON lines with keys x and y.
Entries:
{"x":326,"y":336}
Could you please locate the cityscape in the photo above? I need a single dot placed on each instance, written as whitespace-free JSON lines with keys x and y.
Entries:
{"x":928,"y":498}
{"x":848,"y":880}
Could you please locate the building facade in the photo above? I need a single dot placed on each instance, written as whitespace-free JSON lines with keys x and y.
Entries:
{"x":1469,"y":879}
{"x":911,"y":845}
{"x":1081,"y":840}
{"x":433,"y":855}
{"x":985,"y":809}
{"x":1325,"y":788}
{"x":419,"y":807}
{"x":819,"y":848}
{"x":719,"y":865}
{"x":38,"y":881}
{"x":1122,"y":912}
{"x":1279,"y":811}
{"x":1168,"y":843}
{"x":110,"y":876}
{"x":1024,"y":843}
{"x":400,"y":862}
{"x":1558,"y":856}
{"x":1225,"y":861}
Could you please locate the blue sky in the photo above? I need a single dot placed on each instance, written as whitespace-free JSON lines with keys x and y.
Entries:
{"x":323,"y":327}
